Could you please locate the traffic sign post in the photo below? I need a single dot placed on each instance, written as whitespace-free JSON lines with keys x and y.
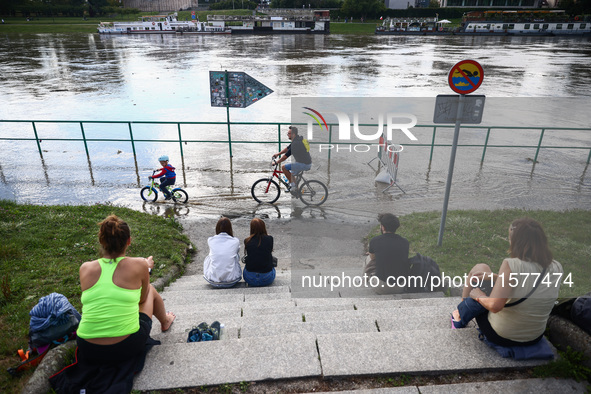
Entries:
{"x":234,"y":89}
{"x":464,"y":78}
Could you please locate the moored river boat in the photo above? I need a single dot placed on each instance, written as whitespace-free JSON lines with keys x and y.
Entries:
{"x":494,"y":23}
{"x":296,"y":21}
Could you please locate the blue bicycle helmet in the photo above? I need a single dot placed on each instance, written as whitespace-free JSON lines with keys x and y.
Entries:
{"x":163,"y":158}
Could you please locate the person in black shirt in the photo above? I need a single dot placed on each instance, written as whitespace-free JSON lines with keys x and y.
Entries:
{"x":388,"y":256}
{"x":300,"y":149}
{"x":259,"y":269}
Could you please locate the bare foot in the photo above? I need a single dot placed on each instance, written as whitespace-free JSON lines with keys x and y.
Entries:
{"x":169,"y":319}
{"x":456,"y":315}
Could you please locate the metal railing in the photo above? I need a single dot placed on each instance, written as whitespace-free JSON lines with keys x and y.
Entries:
{"x":183,"y":139}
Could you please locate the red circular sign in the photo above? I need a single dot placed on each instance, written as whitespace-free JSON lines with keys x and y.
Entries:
{"x":466,"y":76}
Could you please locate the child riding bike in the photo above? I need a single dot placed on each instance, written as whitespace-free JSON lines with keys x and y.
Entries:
{"x":168,"y":174}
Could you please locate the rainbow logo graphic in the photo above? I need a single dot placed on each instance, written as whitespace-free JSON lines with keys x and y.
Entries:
{"x":316,"y":117}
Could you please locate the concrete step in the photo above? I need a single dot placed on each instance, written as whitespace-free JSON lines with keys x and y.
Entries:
{"x":199,"y":283}
{"x":218,"y":362}
{"x":197,"y":299}
{"x":315,"y":322}
{"x":235,"y":290}
{"x":417,"y":351}
{"x":178,"y":365}
{"x":539,"y":386}
{"x":198,"y":279}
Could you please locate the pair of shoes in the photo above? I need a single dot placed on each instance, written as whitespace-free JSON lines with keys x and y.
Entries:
{"x":453,"y":326}
{"x":167,"y":198}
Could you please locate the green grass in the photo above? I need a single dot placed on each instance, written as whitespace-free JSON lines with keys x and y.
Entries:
{"x":353,"y":28}
{"x":42,"y":249}
{"x":472,"y":237}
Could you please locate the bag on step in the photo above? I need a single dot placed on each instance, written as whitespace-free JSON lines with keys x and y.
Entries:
{"x":425,"y":268}
{"x":204,"y":332}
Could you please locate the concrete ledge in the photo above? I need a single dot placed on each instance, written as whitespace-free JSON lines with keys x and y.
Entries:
{"x":53,"y":362}
{"x":522,"y":386}
{"x":565,"y":333}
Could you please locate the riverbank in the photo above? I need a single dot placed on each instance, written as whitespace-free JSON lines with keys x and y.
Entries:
{"x":43,"y":25}
{"x":470,"y":236}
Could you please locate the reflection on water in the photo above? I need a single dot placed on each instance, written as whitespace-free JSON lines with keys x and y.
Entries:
{"x":92,"y":77}
{"x":87,"y":76}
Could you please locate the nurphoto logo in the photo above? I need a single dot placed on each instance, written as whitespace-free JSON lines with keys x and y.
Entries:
{"x":393,"y":122}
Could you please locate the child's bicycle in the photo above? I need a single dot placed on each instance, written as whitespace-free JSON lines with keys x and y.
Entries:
{"x":267,"y":190}
{"x":150,"y":192}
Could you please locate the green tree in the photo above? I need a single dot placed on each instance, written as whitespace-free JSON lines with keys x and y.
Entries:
{"x":363,"y":8}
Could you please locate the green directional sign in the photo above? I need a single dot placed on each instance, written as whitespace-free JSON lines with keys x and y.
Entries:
{"x":235,"y":89}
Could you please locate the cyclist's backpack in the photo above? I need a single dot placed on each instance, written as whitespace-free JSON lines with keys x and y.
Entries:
{"x":425,"y":268}
{"x":53,"y":321}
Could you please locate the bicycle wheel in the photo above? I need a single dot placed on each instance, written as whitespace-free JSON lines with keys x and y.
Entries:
{"x":149,"y":194}
{"x":179,"y":195}
{"x":313,"y":193}
{"x":265,"y":190}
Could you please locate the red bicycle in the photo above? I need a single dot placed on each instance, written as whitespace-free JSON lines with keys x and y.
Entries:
{"x":267,"y":190}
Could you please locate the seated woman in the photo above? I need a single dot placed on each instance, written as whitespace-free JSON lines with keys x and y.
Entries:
{"x":516,"y":310}
{"x":259,"y":269}
{"x":118,"y":300}
{"x":221,"y":267}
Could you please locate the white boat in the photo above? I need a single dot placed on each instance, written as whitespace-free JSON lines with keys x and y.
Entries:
{"x":162,"y":24}
{"x":524,"y":23}
{"x":295,"y":21}
{"x":494,"y":23}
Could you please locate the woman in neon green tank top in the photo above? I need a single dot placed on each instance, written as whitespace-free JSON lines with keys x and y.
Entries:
{"x":118,"y":301}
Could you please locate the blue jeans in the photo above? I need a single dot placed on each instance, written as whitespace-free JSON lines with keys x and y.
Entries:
{"x":256,"y":279}
{"x":469,"y":308}
{"x":166,"y":182}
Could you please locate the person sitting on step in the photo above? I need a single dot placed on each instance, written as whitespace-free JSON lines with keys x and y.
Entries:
{"x":514,"y":310}
{"x":388,"y":256}
{"x":259,"y":269}
{"x":221,"y":267}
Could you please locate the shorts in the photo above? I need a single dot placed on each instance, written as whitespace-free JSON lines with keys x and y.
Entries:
{"x":296,"y":167}
{"x":128,"y":348}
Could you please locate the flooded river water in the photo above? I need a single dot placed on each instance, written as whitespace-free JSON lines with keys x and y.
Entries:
{"x":541,"y":82}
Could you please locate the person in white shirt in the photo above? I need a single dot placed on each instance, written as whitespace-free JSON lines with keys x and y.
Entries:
{"x":221,"y":267}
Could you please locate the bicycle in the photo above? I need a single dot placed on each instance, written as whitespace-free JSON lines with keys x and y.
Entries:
{"x":310,"y":192}
{"x":150,"y":192}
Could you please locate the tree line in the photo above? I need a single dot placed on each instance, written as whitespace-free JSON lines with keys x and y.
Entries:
{"x":368,"y":9}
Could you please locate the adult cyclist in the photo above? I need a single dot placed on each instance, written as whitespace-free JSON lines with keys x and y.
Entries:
{"x":300,"y":149}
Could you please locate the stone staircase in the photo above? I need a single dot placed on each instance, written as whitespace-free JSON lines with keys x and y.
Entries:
{"x":270,"y":335}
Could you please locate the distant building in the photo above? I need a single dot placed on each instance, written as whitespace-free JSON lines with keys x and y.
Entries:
{"x":161,"y":5}
{"x":494,"y":3}
{"x":400,"y":4}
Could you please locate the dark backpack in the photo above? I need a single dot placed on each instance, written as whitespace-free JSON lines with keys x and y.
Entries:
{"x":580,"y":312}
{"x":53,"y":321}
{"x":425,"y":268}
